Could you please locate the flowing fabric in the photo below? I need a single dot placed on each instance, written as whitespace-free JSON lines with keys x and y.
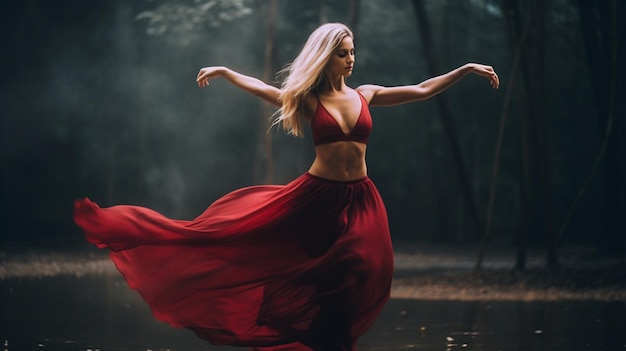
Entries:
{"x":304,"y":266}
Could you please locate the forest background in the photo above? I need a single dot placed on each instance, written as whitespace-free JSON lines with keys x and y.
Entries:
{"x":99,"y":99}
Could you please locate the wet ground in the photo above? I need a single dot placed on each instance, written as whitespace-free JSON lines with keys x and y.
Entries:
{"x":65,"y":303}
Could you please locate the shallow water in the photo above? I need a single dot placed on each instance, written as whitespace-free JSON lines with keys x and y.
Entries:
{"x":102,"y":313}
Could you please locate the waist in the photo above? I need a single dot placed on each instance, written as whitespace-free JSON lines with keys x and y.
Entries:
{"x":341,"y":161}
{"x":338,"y":171}
{"x":337,"y":181}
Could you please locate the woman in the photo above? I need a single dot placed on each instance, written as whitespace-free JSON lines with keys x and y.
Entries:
{"x":304,"y":266}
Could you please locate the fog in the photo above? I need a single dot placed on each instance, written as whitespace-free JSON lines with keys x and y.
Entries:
{"x":100,"y":100}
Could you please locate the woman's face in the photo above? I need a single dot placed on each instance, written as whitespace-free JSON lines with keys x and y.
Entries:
{"x":341,"y":61}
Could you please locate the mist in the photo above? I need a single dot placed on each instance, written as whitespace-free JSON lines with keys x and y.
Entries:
{"x":100,"y":100}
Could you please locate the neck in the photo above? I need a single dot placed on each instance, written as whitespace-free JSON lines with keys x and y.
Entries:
{"x":333,"y":84}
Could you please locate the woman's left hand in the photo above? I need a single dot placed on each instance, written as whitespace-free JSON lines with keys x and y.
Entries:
{"x":487,"y":72}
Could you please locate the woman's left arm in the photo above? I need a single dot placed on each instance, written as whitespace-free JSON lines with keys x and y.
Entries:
{"x":387,"y":96}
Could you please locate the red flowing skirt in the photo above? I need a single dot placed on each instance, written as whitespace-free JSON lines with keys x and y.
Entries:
{"x":304,"y":266}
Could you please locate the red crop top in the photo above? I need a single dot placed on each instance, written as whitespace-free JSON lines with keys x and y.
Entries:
{"x":326,"y":129}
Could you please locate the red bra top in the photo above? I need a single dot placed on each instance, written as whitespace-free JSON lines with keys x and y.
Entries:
{"x":326,"y":129}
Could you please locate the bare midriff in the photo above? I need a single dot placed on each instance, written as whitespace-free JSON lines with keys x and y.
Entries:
{"x":341,"y":160}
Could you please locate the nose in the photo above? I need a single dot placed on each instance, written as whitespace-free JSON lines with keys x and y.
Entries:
{"x":350,"y":58}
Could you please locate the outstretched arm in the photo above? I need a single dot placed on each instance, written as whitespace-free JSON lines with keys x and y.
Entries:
{"x":247,"y":83}
{"x":386,"y":96}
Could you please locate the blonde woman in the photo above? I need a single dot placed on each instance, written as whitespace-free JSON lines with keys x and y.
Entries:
{"x":304,"y":266}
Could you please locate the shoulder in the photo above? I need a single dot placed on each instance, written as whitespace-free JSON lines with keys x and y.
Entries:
{"x":368,"y":91}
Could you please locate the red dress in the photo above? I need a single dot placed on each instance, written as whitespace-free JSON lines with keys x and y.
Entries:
{"x":303,"y":266}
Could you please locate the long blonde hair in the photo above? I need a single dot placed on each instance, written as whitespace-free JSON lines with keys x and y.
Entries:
{"x":306,"y":73}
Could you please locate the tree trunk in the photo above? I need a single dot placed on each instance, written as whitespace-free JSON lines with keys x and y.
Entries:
{"x":533,"y":74}
{"x":539,"y":126}
{"x":601,"y":33}
{"x":353,"y":16}
{"x":323,"y":11}
{"x":264,"y":165}
{"x":525,"y":213}
{"x":449,"y":128}
{"x":516,"y":42}
{"x":496,"y":162}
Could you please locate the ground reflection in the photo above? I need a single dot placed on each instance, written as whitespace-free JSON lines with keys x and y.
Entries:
{"x":505,"y":325}
{"x":101,"y":313}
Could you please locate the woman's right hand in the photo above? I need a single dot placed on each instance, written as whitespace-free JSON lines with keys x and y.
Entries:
{"x":250,"y":84}
{"x":208,"y":73}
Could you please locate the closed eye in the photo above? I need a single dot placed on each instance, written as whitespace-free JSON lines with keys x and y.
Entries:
{"x":343,"y":53}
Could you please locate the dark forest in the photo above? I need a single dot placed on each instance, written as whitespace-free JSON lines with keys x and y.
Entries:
{"x":99,"y":100}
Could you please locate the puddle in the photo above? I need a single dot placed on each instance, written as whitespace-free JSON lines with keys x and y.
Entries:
{"x":99,"y":313}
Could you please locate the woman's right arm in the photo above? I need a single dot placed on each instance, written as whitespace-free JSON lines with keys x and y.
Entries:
{"x":250,"y":84}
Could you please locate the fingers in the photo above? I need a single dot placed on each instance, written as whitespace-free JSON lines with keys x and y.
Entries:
{"x":202,"y":78}
{"x":203,"y":73}
{"x":491,"y":74}
{"x":495,"y":81}
{"x":202,"y":82}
